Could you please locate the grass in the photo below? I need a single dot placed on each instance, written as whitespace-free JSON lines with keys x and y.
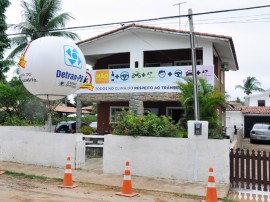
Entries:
{"x":228,"y":200}
{"x":34,"y":177}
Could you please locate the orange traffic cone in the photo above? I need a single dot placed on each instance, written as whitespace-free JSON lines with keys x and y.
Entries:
{"x":127,"y":184}
{"x":211,"y":193}
{"x":68,"y":176}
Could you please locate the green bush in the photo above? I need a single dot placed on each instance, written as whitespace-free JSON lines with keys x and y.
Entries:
{"x":89,"y":119}
{"x":182,"y":133}
{"x":147,"y":125}
{"x":17,"y":121}
{"x":86,"y":130}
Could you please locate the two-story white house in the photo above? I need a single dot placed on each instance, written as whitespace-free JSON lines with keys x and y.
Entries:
{"x":138,"y":67}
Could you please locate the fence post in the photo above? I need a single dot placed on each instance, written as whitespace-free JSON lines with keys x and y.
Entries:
{"x":232,"y":165}
{"x":242,"y":171}
{"x":259,"y":171}
{"x":253,"y":176}
{"x":248,"y":178}
{"x":264,"y":161}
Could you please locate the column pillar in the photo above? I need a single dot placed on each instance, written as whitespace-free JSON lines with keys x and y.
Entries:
{"x":78,"y":113}
{"x":136,"y":105}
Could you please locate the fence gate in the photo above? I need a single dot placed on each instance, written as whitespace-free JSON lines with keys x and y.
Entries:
{"x":80,"y":154}
{"x":250,"y":169}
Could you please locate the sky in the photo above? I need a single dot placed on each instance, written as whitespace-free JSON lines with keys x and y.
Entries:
{"x":250,"y":29}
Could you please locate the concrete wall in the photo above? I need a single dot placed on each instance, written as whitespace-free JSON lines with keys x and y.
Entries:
{"x":37,"y":148}
{"x":173,"y":158}
{"x":28,"y":128}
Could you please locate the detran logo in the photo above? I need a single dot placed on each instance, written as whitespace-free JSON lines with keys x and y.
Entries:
{"x":72,"y":57}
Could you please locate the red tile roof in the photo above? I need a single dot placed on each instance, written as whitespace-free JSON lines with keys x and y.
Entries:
{"x":65,"y":109}
{"x":255,"y":110}
{"x":251,"y":109}
{"x":152,"y":28}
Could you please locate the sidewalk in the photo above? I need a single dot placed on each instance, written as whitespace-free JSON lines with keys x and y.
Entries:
{"x":92,"y":173}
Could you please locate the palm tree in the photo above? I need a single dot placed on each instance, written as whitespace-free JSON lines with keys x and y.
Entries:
{"x":4,"y":42}
{"x":208,"y":99}
{"x":250,"y":84}
{"x":40,"y":18}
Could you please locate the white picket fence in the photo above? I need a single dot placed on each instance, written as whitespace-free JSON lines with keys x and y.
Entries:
{"x":251,"y":195}
{"x":80,"y":154}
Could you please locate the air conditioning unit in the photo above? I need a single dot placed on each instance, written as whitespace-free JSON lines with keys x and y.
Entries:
{"x":224,"y":66}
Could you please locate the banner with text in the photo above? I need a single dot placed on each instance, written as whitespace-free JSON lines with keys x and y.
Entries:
{"x":150,"y":79}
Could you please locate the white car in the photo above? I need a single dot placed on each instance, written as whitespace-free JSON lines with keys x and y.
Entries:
{"x":260,"y":132}
{"x":93,"y":125}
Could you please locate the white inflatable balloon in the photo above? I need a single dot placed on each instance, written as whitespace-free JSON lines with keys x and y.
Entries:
{"x":52,"y":68}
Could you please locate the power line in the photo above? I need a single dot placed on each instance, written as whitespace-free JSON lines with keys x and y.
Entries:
{"x":226,"y":18}
{"x":138,"y":21}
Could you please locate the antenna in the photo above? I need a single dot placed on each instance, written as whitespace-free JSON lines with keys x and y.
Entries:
{"x":179,"y":4}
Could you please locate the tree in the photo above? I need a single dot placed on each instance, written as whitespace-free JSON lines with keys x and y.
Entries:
{"x":17,"y":103}
{"x":238,"y":100}
{"x":250,"y":84}
{"x":40,"y":17}
{"x":208,"y":98}
{"x":12,"y":97}
{"x":4,"y":42}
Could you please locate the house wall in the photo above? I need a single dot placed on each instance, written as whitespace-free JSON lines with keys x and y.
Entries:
{"x":103,"y":111}
{"x":252,"y":100}
{"x":233,"y":118}
{"x":174,"y":158}
{"x":103,"y":118}
{"x":164,"y":97}
{"x":136,"y":41}
{"x":37,"y":148}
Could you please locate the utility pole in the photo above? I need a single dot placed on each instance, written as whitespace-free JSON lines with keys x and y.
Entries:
{"x":179,"y":4}
{"x":194,"y":70}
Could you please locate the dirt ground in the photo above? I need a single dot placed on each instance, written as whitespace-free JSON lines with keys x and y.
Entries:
{"x":262,"y":146}
{"x":15,"y":189}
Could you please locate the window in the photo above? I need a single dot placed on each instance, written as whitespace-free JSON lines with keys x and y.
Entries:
{"x":176,"y":113}
{"x":114,"y":111}
{"x":261,"y":103}
{"x":152,"y":110}
{"x":186,"y":63}
{"x":118,"y":66}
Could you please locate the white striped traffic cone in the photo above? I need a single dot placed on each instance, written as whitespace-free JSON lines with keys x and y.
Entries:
{"x":211,"y":193}
{"x":127,"y":184}
{"x":68,"y":176}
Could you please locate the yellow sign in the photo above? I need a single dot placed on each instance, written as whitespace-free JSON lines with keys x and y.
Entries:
{"x":102,"y":76}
